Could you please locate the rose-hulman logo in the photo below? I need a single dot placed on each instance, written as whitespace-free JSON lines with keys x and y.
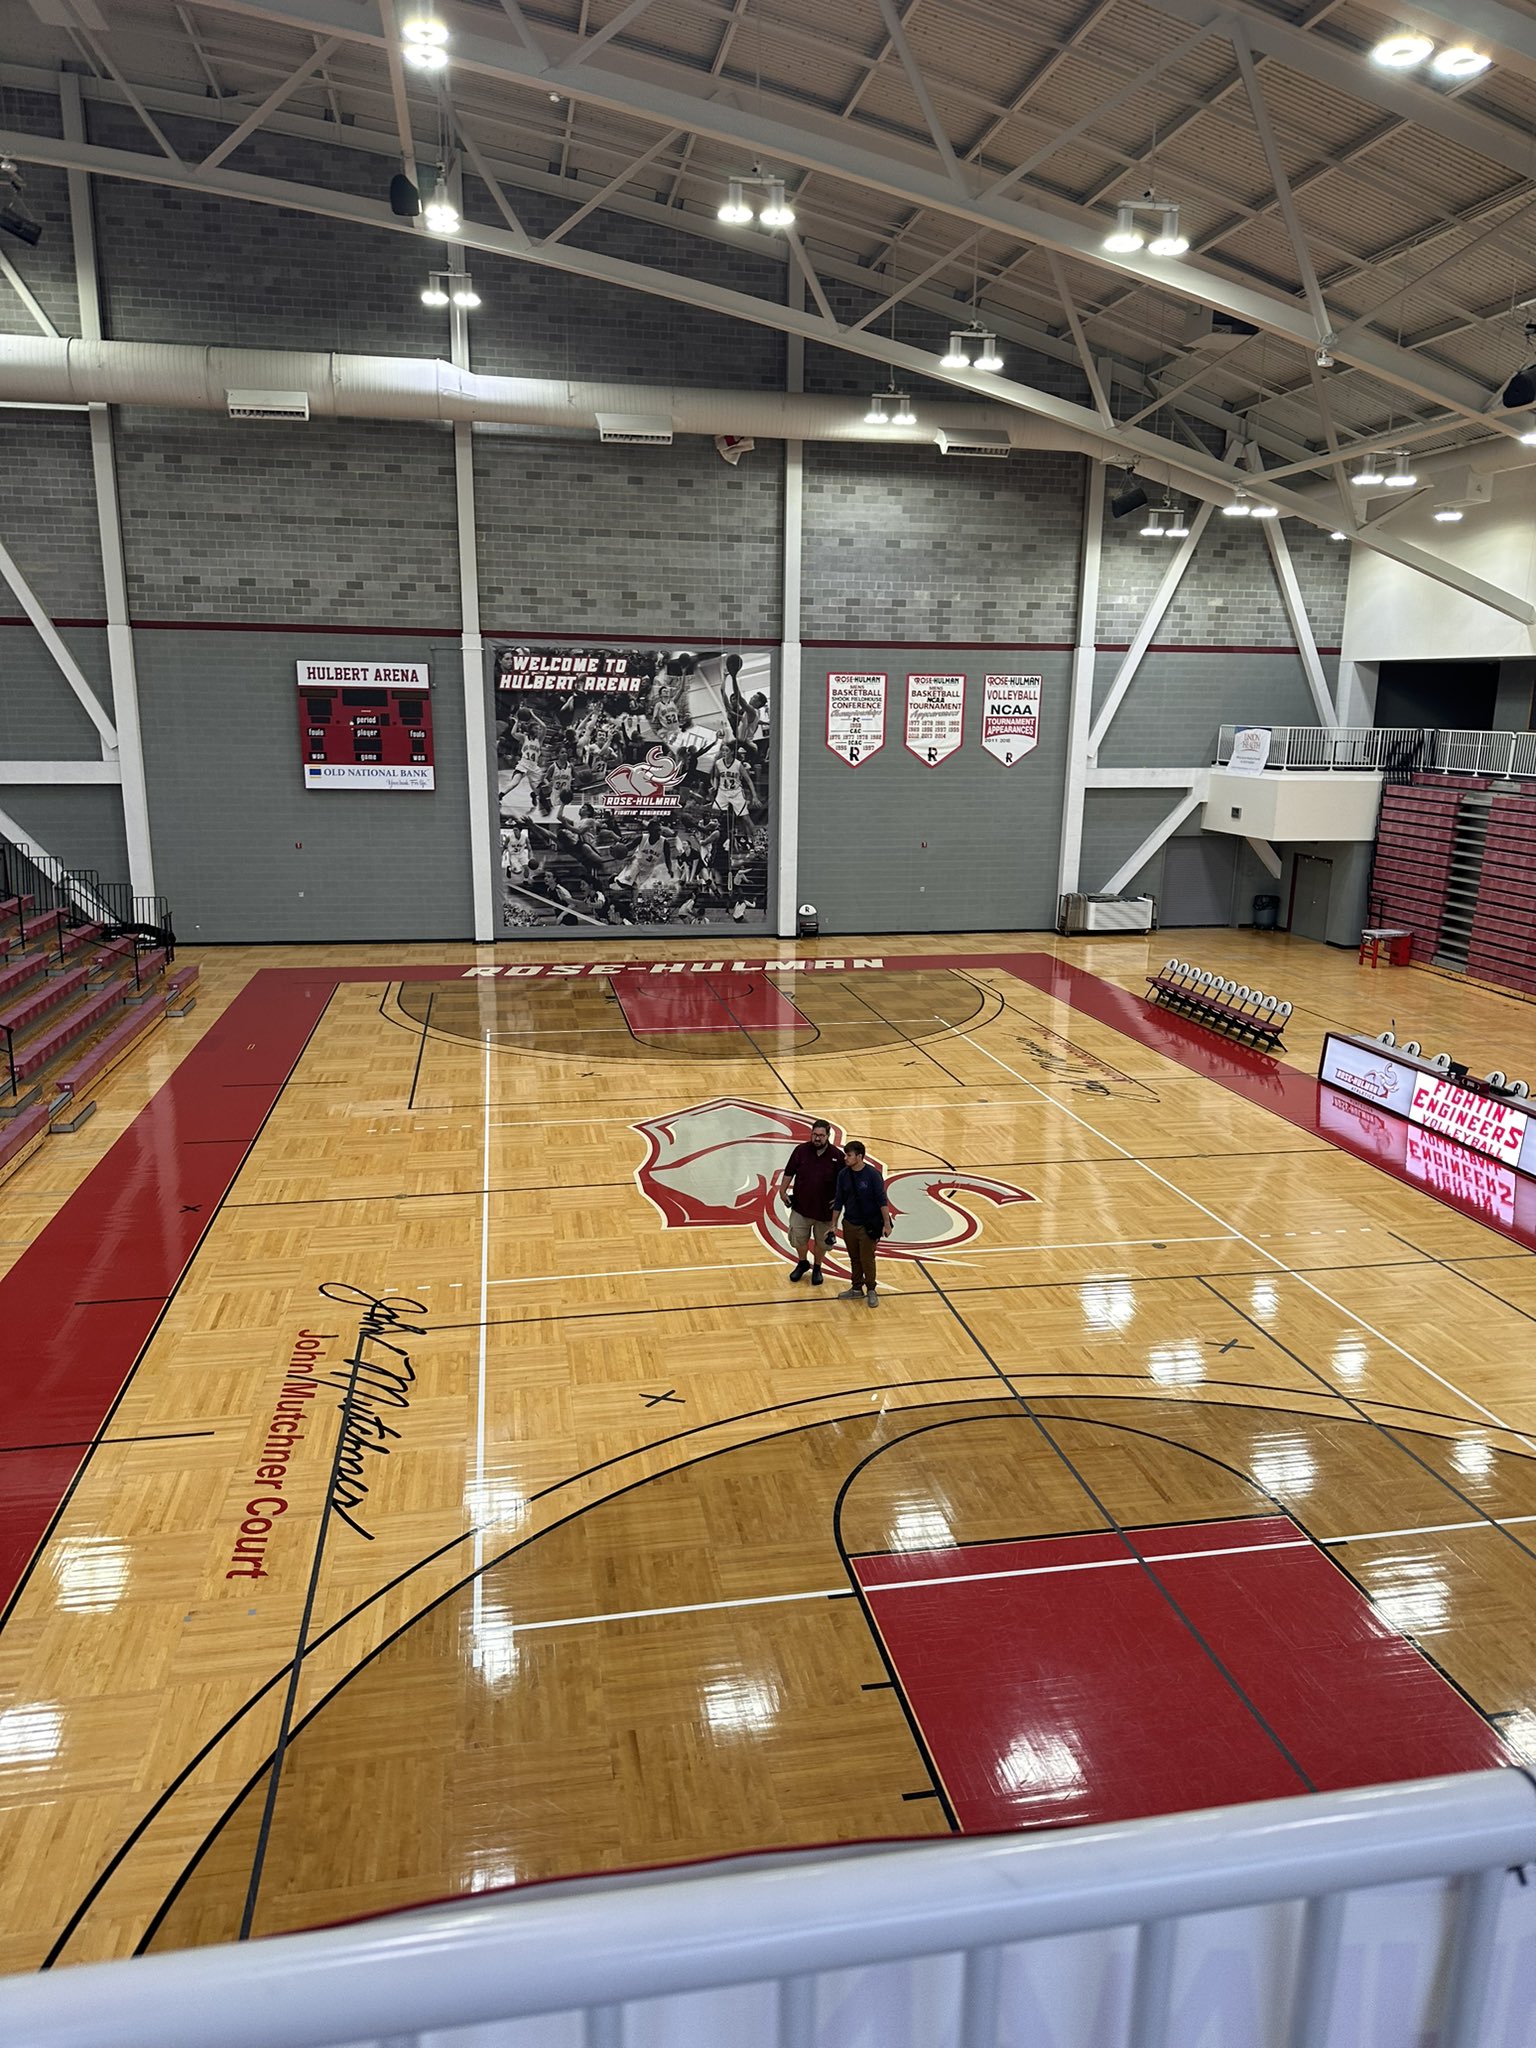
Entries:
{"x":643,"y":785}
{"x":723,"y":1162}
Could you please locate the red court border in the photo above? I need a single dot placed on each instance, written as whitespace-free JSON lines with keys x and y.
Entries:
{"x":81,"y":1303}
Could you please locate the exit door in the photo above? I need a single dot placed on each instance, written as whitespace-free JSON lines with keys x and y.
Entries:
{"x":1311,"y":885}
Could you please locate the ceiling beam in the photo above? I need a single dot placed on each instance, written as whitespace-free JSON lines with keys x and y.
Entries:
{"x":787,"y":130}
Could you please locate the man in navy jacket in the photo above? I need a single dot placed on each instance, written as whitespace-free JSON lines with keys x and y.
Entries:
{"x":859,"y":1199}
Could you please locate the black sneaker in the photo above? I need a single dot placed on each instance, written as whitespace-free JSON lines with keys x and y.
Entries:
{"x":816,"y":1277}
{"x":801,"y":1270}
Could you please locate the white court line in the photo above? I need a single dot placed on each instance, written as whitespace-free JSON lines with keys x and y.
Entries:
{"x":1021,"y":1572}
{"x":478,"y":1596}
{"x":1311,"y":1286}
{"x":1089,"y":1244}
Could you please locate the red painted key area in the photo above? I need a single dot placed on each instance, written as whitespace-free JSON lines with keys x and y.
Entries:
{"x":667,"y":1002}
{"x":1072,"y":1679}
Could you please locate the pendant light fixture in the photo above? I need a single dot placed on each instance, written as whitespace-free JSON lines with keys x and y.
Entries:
{"x":1399,"y":477}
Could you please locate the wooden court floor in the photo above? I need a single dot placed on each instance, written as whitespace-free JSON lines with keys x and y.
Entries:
{"x":483,"y":1504}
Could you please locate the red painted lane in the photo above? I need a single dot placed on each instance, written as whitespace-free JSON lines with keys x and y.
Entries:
{"x":697,"y":1003}
{"x":1054,"y":1682}
{"x":81,"y":1301}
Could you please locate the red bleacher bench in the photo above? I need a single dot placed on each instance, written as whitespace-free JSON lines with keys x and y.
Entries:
{"x":17,"y":972}
{"x":42,"y":999}
{"x":19,"y":1133}
{"x":78,"y":935}
{"x":13,"y":906}
{"x":107,"y":958}
{"x":107,"y":1050}
{"x":37,"y":1052}
{"x":45,"y":921}
{"x":149,"y":966}
{"x":178,"y":981}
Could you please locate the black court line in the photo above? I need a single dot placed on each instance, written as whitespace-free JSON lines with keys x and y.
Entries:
{"x":544,"y":1187}
{"x":421,"y":1047}
{"x":119,"y":1300}
{"x":1478,"y":1512}
{"x":907,"y":1038}
{"x":768,"y":1063}
{"x":1434,"y":1259}
{"x":1113,"y":1526}
{"x":164,"y":1436}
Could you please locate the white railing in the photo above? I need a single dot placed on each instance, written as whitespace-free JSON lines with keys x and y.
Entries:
{"x":1439,"y":750}
{"x":1394,"y":1913}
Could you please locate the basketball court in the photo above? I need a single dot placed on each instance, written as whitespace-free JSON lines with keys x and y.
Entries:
{"x":421,"y":1478}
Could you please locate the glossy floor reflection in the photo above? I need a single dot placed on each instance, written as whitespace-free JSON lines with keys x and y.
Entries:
{"x":1191,"y":1457}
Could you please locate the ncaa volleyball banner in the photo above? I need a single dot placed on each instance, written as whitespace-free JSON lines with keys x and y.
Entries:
{"x":935,"y":717}
{"x":632,"y":787}
{"x":855,"y":716}
{"x":1010,"y":716}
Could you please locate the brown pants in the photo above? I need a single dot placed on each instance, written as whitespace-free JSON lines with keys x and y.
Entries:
{"x":861,"y":1254}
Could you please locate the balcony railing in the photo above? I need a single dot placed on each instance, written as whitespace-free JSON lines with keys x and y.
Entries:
{"x":1395,"y":749}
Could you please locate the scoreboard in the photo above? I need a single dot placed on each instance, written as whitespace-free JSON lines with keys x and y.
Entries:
{"x":365,"y":725}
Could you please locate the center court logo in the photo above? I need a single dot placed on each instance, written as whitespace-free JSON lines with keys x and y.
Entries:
{"x":722,"y":1161}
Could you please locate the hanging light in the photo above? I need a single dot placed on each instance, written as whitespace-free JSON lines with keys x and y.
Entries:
{"x":956,"y":357}
{"x":439,"y":213}
{"x":1239,"y":508}
{"x":778,"y":213}
{"x":1460,"y":61}
{"x":464,"y":293}
{"x":433,"y":293}
{"x":903,"y":416}
{"x":1369,"y":476}
{"x":1528,"y":438}
{"x":1178,"y":528}
{"x":1401,"y":53}
{"x":988,"y":359}
{"x":1125,"y":238}
{"x":877,"y":416}
{"x":1448,"y":515}
{"x":424,"y":42}
{"x":1154,"y":529}
{"x":1337,"y":535}
{"x":735,"y":212}
{"x":1400,"y":477}
{"x":1266,"y":511}
{"x":1171,"y":242}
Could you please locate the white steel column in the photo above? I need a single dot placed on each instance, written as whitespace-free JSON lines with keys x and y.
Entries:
{"x":1081,"y":702}
{"x":477,"y":728}
{"x":129,"y":744}
{"x":786,"y":719}
{"x":1158,"y":836}
{"x":1125,"y":675}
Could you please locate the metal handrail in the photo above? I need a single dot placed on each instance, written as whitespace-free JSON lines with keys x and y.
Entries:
{"x":1440,"y":750}
{"x":594,"y":1949}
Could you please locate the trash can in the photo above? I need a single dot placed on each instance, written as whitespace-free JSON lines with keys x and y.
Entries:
{"x":1266,"y":913}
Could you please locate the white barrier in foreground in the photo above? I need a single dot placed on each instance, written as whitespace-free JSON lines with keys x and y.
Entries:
{"x":1393,"y":1917}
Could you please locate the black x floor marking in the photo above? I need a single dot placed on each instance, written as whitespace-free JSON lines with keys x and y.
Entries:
{"x":655,"y":1400}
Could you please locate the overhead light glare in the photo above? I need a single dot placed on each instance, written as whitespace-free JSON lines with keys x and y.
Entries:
{"x":1401,"y":53}
{"x":1528,"y":439}
{"x":465,"y":295}
{"x":989,"y":359}
{"x":1400,"y":477}
{"x":1179,"y":530}
{"x":1266,"y":511}
{"x":1369,"y":475}
{"x":425,"y":56}
{"x":735,"y":212}
{"x":778,"y":213}
{"x":903,"y":416}
{"x":424,"y":28}
{"x":1337,"y":535}
{"x":1171,"y":242}
{"x":1154,"y":528}
{"x":955,"y":358}
{"x":1460,"y":61}
{"x":433,"y":294}
{"x":877,"y":416}
{"x":1125,"y":238}
{"x":1449,"y":514}
{"x":1239,"y":508}
{"x":440,"y":214}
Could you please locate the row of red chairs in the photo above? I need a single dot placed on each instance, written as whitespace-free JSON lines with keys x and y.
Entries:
{"x":1225,"y":1005}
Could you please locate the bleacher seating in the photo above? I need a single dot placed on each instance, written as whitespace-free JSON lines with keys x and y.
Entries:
{"x":1415,"y":842}
{"x":1245,"y":1013}
{"x":1503,"y":946}
{"x":19,"y":1134}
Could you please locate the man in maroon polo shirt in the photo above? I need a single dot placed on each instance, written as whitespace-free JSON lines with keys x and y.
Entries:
{"x":809,"y":1179}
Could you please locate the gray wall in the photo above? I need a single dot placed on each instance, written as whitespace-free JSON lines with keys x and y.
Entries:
{"x":250,"y":545}
{"x":894,"y":845}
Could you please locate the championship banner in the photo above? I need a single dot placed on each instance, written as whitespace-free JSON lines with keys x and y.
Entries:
{"x":1010,"y":716}
{"x":365,"y":724}
{"x":855,"y":716}
{"x":632,"y":787}
{"x":935,"y":717}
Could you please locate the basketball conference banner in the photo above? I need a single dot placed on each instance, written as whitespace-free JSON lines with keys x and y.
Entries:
{"x":632,"y":787}
{"x":935,"y":717}
{"x":855,"y":716}
{"x":1010,"y":716}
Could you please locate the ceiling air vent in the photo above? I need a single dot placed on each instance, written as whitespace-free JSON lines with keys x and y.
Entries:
{"x":974,"y":441}
{"x":635,"y":429}
{"x":268,"y":405}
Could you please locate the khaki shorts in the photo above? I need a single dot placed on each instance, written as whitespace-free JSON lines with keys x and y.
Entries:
{"x":803,"y":1228}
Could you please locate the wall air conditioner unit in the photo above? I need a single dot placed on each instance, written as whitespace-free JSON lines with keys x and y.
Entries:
{"x":1106,"y":914}
{"x":268,"y":405}
{"x":973,"y":441}
{"x":635,"y":429}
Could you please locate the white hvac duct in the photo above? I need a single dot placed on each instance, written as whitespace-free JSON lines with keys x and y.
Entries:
{"x":50,"y":370}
